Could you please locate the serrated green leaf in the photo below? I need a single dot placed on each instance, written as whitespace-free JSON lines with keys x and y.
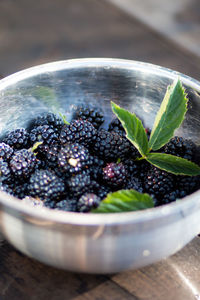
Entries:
{"x":124,"y":200}
{"x":173,"y":164}
{"x":169,"y":116}
{"x":133,"y":127}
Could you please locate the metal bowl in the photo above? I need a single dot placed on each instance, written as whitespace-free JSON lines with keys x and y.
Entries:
{"x":97,"y":243}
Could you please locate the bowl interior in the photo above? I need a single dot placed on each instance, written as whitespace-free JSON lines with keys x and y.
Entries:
{"x":60,"y":87}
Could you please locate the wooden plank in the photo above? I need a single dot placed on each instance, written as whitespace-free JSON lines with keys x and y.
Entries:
{"x":24,"y":278}
{"x":174,"y":278}
{"x":84,"y":28}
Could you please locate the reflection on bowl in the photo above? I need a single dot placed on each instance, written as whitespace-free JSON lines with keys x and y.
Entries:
{"x":103,"y":243}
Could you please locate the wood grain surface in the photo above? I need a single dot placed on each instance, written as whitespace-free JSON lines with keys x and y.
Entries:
{"x":31,"y":34}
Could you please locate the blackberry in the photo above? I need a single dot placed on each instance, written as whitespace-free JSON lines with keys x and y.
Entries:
{"x":33,"y":202}
{"x":158,"y":182}
{"x":103,"y":191}
{"x":49,"y":203}
{"x":4,"y":187}
{"x":132,"y":167}
{"x":88,"y":201}
{"x":5,"y":151}
{"x":136,"y":184}
{"x":5,"y":171}
{"x":45,"y":185}
{"x":81,"y":184}
{"x":116,"y":126}
{"x":91,"y":114}
{"x":181,"y":147}
{"x":110,"y":146}
{"x":46,"y":134}
{"x":96,"y":170}
{"x":170,"y":197}
{"x":188,"y":184}
{"x":73,"y":158}
{"x":20,"y":190}
{"x":115,"y":175}
{"x":50,"y":119}
{"x":78,"y":131}
{"x":49,"y":154}
{"x":23,"y":163}
{"x":18,"y":138}
{"x":67,"y":205}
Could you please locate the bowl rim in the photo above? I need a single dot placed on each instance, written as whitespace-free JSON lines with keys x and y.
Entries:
{"x":186,"y":204}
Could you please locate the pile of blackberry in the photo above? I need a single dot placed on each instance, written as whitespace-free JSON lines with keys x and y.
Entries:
{"x":72,"y":167}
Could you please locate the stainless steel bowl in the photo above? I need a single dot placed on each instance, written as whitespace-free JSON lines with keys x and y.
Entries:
{"x":103,"y":243}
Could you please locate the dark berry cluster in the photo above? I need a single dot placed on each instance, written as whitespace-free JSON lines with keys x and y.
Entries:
{"x":72,"y":167}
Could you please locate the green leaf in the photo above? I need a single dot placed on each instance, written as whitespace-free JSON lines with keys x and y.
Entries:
{"x":169,"y":116}
{"x":134,"y":129}
{"x":173,"y":164}
{"x":124,"y":200}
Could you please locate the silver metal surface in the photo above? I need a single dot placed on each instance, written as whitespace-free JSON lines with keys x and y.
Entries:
{"x":103,"y":243}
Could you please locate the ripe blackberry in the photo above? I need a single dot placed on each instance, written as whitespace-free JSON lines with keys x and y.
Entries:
{"x":96,"y":170}
{"x":67,"y":205}
{"x":23,"y":163}
{"x":50,"y":119}
{"x":4,"y":187}
{"x":49,"y":154}
{"x":78,"y":131}
{"x":110,"y":146}
{"x":188,"y":184}
{"x":116,"y":126}
{"x":158,"y":182}
{"x":91,"y":114}
{"x":136,"y":184}
{"x":103,"y":191}
{"x":20,"y":189}
{"x":5,"y":171}
{"x":45,"y":185}
{"x":46,"y":134}
{"x":88,"y":201}
{"x":81,"y":184}
{"x":181,"y":147}
{"x":132,"y":167}
{"x":170,"y":197}
{"x":18,"y":138}
{"x":115,"y":175}
{"x":5,"y":151}
{"x":73,"y":158}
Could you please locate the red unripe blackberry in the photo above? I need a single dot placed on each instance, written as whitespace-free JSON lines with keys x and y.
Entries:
{"x":78,"y":131}
{"x":88,"y":201}
{"x":91,"y":114}
{"x":115,"y":175}
{"x":18,"y":138}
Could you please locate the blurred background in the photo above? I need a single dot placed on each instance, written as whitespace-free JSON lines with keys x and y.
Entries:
{"x":157,"y":31}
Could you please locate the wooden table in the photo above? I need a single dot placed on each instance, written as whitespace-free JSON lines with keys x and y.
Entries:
{"x":54,"y":30}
